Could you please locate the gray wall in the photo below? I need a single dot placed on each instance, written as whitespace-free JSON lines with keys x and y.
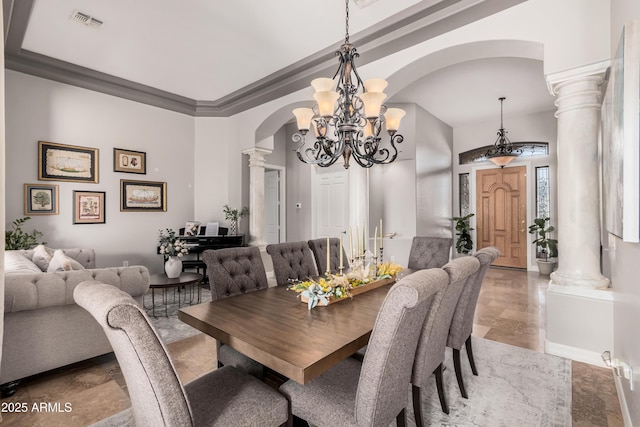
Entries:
{"x":623,"y":258}
{"x":299,"y":181}
{"x":39,"y":109}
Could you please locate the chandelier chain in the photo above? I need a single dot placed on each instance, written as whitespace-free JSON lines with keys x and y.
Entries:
{"x":346,"y":24}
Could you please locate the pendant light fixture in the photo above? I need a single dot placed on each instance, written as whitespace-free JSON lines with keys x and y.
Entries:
{"x":502,"y":152}
{"x":348,"y":117}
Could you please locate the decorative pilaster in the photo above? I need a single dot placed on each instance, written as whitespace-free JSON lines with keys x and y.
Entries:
{"x":578,"y":102}
{"x":256,"y":194}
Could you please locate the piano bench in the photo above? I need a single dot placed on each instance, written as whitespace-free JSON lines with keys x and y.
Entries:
{"x":197,"y":265}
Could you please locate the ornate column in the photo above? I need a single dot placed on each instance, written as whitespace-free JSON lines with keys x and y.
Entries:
{"x":578,"y":102}
{"x":256,"y":194}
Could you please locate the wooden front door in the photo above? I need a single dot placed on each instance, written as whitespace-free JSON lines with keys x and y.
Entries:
{"x":501,"y":214}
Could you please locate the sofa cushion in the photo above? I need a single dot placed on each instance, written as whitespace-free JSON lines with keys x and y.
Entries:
{"x":42,"y":257}
{"x":15,"y":262}
{"x":61,"y":262}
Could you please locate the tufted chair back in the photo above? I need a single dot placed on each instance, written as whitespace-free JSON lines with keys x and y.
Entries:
{"x":292,"y":261}
{"x":234,"y":271}
{"x":429,"y":252}
{"x":319,"y":249}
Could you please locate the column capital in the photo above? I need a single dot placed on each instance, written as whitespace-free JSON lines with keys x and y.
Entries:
{"x":256,"y":156}
{"x":598,"y":69}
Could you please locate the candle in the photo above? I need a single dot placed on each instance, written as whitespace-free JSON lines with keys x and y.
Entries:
{"x":357,"y":241}
{"x":375,"y":243}
{"x":364,"y":246}
{"x":341,"y":263}
{"x":380,"y":233}
{"x":350,"y":244}
{"x":328,"y":256}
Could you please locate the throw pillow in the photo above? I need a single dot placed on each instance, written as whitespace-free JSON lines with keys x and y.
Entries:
{"x":42,"y":257}
{"x":61,"y":262}
{"x":15,"y":262}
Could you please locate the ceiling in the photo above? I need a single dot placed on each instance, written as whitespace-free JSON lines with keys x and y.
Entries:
{"x":214,"y":58}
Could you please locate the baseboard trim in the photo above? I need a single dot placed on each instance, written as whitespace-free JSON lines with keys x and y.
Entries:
{"x":574,"y":353}
{"x":624,"y":408}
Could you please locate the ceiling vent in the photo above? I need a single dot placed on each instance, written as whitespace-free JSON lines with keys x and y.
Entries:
{"x":363,"y":3}
{"x":86,"y":19}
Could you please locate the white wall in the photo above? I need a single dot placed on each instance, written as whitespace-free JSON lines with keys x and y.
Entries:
{"x":623,"y":259}
{"x":39,"y":109}
{"x":541,"y":127}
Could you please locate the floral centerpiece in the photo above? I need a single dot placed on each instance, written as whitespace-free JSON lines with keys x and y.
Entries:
{"x":172,"y":245}
{"x":172,"y":248}
{"x":336,"y":286}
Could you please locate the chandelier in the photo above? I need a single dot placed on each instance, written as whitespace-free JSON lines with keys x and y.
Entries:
{"x":502,"y":152}
{"x":348,"y":117}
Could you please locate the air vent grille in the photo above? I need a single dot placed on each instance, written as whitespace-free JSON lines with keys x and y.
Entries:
{"x":86,"y":19}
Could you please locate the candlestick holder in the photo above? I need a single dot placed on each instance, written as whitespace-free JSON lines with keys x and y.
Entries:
{"x":381,"y":254}
{"x":340,"y":268}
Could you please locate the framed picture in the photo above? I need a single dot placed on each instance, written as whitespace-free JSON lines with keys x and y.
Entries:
{"x":59,"y":162}
{"x":192,"y":228}
{"x":143,"y":196}
{"x":89,"y":207}
{"x":40,"y":199}
{"x":129,"y":161}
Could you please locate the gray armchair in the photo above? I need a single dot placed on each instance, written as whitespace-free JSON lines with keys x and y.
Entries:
{"x":429,"y":252}
{"x":292,"y":261}
{"x":433,"y":339}
{"x":462,"y":322}
{"x":374,"y":392}
{"x":235,"y":271}
{"x":319,"y":249}
{"x":222,"y":397}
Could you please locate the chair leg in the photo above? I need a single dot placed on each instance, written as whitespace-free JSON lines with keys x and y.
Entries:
{"x":472,"y":362}
{"x":401,"y":419}
{"x":440,"y":385}
{"x":417,"y":405}
{"x":456,"y":365}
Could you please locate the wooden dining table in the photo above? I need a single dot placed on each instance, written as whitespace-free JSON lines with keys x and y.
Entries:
{"x":273,"y":327}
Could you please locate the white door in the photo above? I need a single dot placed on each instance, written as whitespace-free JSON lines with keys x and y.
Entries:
{"x":332,"y":203}
{"x":272,"y":206}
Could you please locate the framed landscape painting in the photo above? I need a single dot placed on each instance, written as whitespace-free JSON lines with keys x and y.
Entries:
{"x":89,"y":207}
{"x":143,"y":196}
{"x":60,"y":162}
{"x":40,"y":199}
{"x":129,"y":161}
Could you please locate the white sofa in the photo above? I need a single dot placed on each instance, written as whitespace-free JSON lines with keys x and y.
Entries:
{"x":44,"y":328}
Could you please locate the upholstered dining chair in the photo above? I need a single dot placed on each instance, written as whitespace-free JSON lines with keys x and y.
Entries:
{"x":462,"y":322}
{"x":319,"y":249}
{"x":374,"y":392}
{"x":292,"y":261}
{"x":429,"y":252}
{"x":235,"y":271}
{"x":222,"y":397}
{"x":433,"y":338}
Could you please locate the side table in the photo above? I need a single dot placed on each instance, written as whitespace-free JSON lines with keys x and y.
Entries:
{"x":161,"y":281}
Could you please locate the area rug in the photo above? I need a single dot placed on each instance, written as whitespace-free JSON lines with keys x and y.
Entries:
{"x":515,"y":387}
{"x":170,"y":328}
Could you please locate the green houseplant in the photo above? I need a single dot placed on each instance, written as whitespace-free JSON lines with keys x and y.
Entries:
{"x":464,"y":244}
{"x":547,"y":246}
{"x":233,"y":215}
{"x":17,"y":239}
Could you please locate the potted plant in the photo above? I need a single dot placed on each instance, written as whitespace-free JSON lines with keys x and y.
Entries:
{"x":464,"y":244}
{"x":233,"y":215}
{"x":546,"y":246}
{"x":17,"y":239}
{"x":172,"y":248}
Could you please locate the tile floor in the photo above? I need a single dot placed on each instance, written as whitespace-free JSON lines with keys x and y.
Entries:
{"x":510,"y":310}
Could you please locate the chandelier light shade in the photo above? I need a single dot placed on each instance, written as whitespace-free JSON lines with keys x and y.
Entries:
{"x":348,"y":117}
{"x":502,"y":152}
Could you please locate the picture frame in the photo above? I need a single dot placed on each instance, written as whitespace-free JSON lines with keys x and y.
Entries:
{"x":129,"y":161}
{"x":192,"y":228}
{"x":89,"y":207}
{"x":62,"y":162}
{"x":143,"y":196}
{"x":621,"y":137}
{"x":40,"y":199}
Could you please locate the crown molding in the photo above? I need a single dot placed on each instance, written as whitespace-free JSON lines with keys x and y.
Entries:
{"x":411,"y":26}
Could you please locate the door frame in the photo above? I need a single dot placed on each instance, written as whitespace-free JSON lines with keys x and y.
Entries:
{"x":531,"y":191}
{"x":283,"y":198}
